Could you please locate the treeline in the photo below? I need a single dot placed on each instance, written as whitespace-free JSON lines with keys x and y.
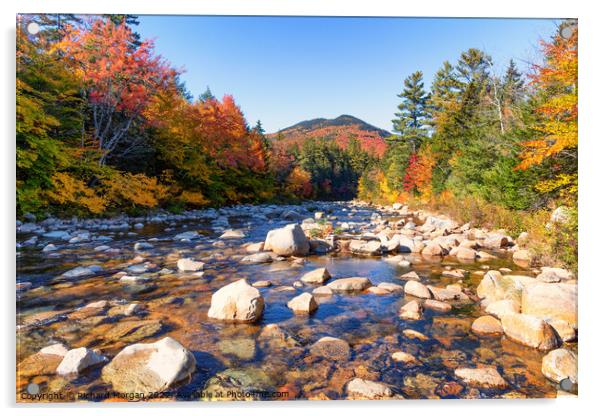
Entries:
{"x":499,"y":149}
{"x":105,"y":125}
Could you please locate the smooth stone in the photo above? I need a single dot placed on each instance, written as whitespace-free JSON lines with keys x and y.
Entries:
{"x":487,"y":325}
{"x":190,"y":265}
{"x":350,"y":284}
{"x":368,"y":389}
{"x":287,"y":241}
{"x":390,"y":287}
{"x":411,"y":310}
{"x":560,"y":364}
{"x":320,"y":276}
{"x":237,"y":301}
{"x":232,"y":234}
{"x":148,"y":368}
{"x":437,"y":305}
{"x":304,"y":303}
{"x":262,"y":283}
{"x":257,"y":258}
{"x":487,"y":377}
{"x":410,"y":276}
{"x":417,"y":289}
{"x":55,"y":349}
{"x":405,"y":358}
{"x":370,"y":248}
{"x":322,"y":291}
{"x":551,"y":301}
{"x":503,"y":307}
{"x":331,"y":348}
{"x":77,"y":360}
{"x":143,"y":246}
{"x":530,"y":331}
{"x":254,"y":247}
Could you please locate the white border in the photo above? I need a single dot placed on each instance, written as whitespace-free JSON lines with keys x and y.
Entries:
{"x":590,"y":200}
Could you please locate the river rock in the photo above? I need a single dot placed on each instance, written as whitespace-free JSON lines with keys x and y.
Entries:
{"x":437,"y":305}
{"x":257,"y":258}
{"x":254,"y":247}
{"x":560,"y":364}
{"x":495,"y":241}
{"x":551,"y":301}
{"x":465,"y":253}
{"x":287,"y":241}
{"x":411,"y":310}
{"x":522,"y":257}
{"x":565,"y":331}
{"x":39,"y":364}
{"x":304,"y":303}
{"x":82,"y":271}
{"x":331,"y":348}
{"x":79,"y":359}
{"x":232,"y":234}
{"x":503,"y":307}
{"x":390,"y":287}
{"x":410,"y":276}
{"x":433,"y":249}
{"x":147,"y":368}
{"x":320,"y":276}
{"x":487,"y":377}
{"x":55,"y":349}
{"x":141,"y":246}
{"x":530,"y":331}
{"x":262,"y":283}
{"x":190,"y":265}
{"x":417,"y":289}
{"x":487,"y":325}
{"x":350,"y":284}
{"x":495,"y":286}
{"x":237,"y":301}
{"x":370,"y":248}
{"x":322,"y":291}
{"x":368,"y":389}
{"x":405,"y":358}
{"x":554,"y":275}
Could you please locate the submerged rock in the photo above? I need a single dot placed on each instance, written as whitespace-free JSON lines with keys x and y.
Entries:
{"x":257,"y":258}
{"x":147,"y":368}
{"x":487,"y":377}
{"x":190,"y":265}
{"x":368,"y":389}
{"x":237,"y":301}
{"x":331,"y":348}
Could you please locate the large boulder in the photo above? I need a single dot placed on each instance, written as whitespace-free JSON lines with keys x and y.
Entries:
{"x":503,"y":307}
{"x":287,"y":241}
{"x":238,"y":302}
{"x":350,"y":284}
{"x":495,"y":286}
{"x":554,"y":275}
{"x":560,"y":364}
{"x":147,"y":368}
{"x":409,"y":245}
{"x":530,"y":331}
{"x":496,"y":241}
{"x":433,"y":249}
{"x":466,"y":253}
{"x":551,"y":301}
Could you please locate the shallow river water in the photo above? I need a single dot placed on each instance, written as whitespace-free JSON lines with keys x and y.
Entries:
{"x":234,"y":355}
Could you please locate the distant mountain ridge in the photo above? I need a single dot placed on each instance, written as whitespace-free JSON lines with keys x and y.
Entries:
{"x":340,"y":129}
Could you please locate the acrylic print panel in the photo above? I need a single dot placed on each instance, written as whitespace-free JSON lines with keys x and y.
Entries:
{"x":294,"y":208}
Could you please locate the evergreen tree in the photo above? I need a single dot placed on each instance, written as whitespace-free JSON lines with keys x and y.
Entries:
{"x":207,"y":95}
{"x":413,"y":118}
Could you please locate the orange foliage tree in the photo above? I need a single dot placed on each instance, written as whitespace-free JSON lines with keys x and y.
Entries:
{"x":119,"y":77}
{"x":556,"y":80}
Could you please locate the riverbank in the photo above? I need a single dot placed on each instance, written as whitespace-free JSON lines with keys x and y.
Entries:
{"x":355,"y":301}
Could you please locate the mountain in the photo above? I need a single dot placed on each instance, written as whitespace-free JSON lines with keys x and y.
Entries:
{"x":340,"y":129}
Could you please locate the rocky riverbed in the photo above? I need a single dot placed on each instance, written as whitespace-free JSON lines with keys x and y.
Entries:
{"x":323,"y":300}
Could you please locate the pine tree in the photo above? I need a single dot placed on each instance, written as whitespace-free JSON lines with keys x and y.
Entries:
{"x":413,"y":118}
{"x":207,"y":95}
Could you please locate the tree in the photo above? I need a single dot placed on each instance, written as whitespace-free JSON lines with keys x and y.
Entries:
{"x":118,"y":79}
{"x":557,"y":112}
{"x":412,"y":120}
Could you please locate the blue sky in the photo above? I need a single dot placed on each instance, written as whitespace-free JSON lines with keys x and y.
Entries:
{"x":282,"y":70}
